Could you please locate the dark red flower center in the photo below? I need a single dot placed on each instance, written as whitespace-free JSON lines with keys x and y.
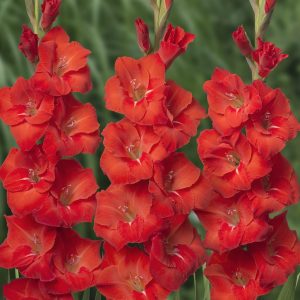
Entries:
{"x":266,"y":184}
{"x":134,"y":151}
{"x":137,"y":282}
{"x":65,"y":195}
{"x":71,"y":262}
{"x":69,"y":125}
{"x":233,"y":158}
{"x":33,"y":176}
{"x":266,"y":120}
{"x":30,"y":108}
{"x":233,"y":216}
{"x":128,"y":215}
{"x":236,"y":101}
{"x":240,"y":278}
{"x":169,"y":181}
{"x":36,"y":244}
{"x":61,"y":66}
{"x":138,"y":90}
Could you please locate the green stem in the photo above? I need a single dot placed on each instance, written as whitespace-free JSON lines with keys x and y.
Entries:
{"x":36,"y":16}
{"x":17,"y":274}
{"x":195,"y":286}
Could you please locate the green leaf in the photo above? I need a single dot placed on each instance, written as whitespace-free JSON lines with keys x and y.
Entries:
{"x":288,"y":290}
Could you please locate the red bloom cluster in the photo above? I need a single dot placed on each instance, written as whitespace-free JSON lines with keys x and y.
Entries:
{"x":46,"y":192}
{"x":153,"y":189}
{"x":252,"y":253}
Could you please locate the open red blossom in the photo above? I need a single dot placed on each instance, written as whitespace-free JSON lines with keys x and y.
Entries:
{"x":231,"y":102}
{"x":137,"y":90}
{"x":28,"y":247}
{"x":50,"y":10}
{"x":278,"y":256}
{"x":76,"y":263}
{"x":271,"y":127}
{"x":276,"y":190}
{"x":26,"y":111}
{"x":176,"y":253}
{"x":242,"y":41}
{"x":124,"y":215}
{"x":174,"y":43}
{"x":29,"y":44}
{"x":184,"y":114}
{"x":27,"y":177}
{"x":231,"y":163}
{"x":178,"y":186}
{"x":62,"y":67}
{"x":231,"y":223}
{"x":234,"y":275}
{"x":29,"y":289}
{"x":267,"y":56}
{"x":72,"y":197}
{"x":129,"y":152}
{"x":126,"y":275}
{"x":74,"y":129}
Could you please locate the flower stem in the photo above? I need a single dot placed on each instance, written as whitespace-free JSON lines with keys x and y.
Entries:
{"x":195,"y":286}
{"x":36,"y":16}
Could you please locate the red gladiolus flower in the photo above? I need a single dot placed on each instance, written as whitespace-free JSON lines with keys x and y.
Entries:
{"x":137,"y":90}
{"x":72,"y":198}
{"x":27,"y":112}
{"x":184,"y":114}
{"x":50,"y":10}
{"x":271,"y":127}
{"x":27,"y":177}
{"x":124,"y":215}
{"x":168,"y":4}
{"x":29,"y":289}
{"x":231,"y":102}
{"x":178,"y":186}
{"x":234,"y":275}
{"x":29,"y":44}
{"x":174,"y":43}
{"x":232,"y":163}
{"x":126,"y":275}
{"x":75,"y":129}
{"x":28,"y":247}
{"x":242,"y":41}
{"x":267,"y":56}
{"x":276,"y":190}
{"x":278,"y":256}
{"x":62,"y":67}
{"x":176,"y":253}
{"x":76,"y":263}
{"x":231,"y":223}
{"x":269,"y":6}
{"x":142,"y":32}
{"x":129,"y":152}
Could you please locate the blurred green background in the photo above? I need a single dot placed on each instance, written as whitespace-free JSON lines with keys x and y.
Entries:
{"x":106,"y":27}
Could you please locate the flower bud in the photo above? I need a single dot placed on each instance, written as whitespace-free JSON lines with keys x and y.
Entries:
{"x":267,"y":56}
{"x":29,"y":44}
{"x":50,"y":10}
{"x":242,"y":41}
{"x":269,"y":6}
{"x":142,"y":33}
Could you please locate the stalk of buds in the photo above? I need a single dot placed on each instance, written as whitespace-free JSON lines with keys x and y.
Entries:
{"x":47,"y":192}
{"x":252,"y":252}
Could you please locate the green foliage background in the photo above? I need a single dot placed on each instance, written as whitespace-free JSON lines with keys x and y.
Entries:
{"x":106,"y":27}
